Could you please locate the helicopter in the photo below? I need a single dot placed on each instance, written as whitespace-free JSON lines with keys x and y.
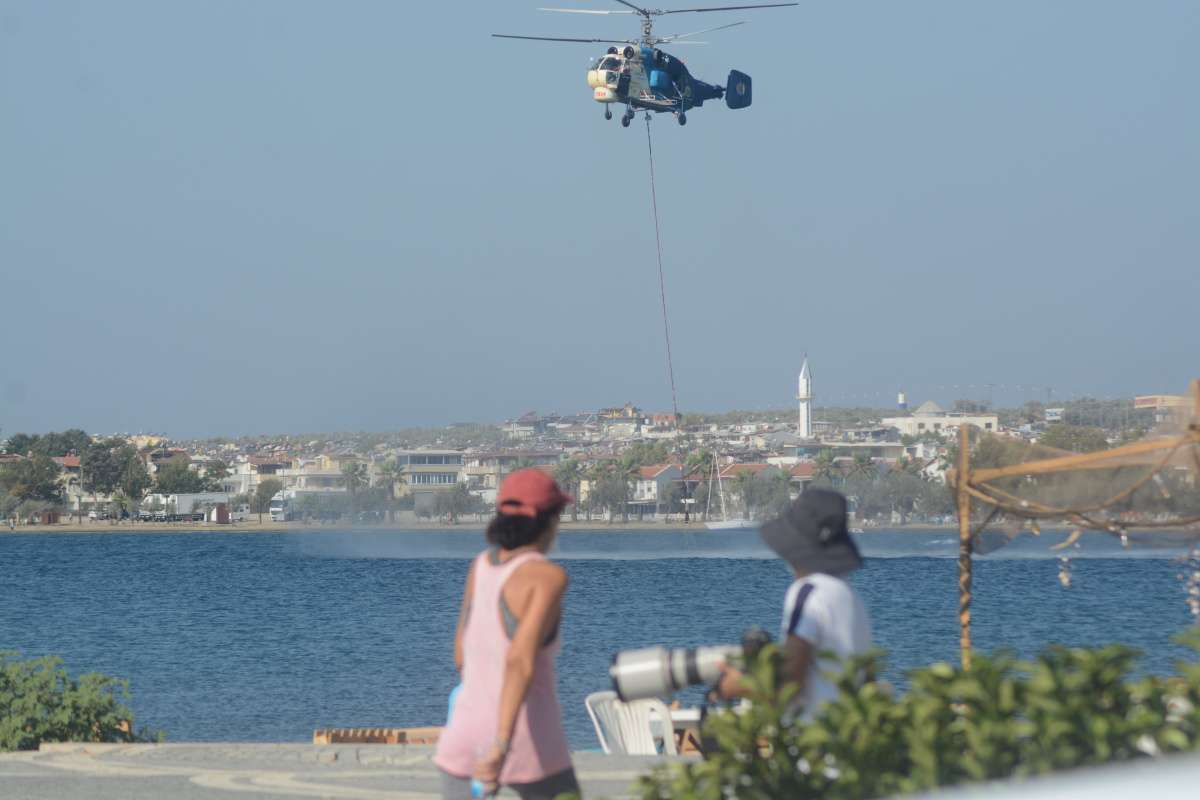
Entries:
{"x":635,"y":73}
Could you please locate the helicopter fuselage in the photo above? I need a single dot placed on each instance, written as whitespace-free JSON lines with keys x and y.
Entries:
{"x":647,"y":78}
{"x":640,"y":76}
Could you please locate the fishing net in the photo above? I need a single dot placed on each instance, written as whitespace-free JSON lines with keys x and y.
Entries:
{"x":1145,"y":491}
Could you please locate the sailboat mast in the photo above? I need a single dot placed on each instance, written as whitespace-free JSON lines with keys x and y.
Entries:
{"x":708,"y":494}
{"x":721,"y":489}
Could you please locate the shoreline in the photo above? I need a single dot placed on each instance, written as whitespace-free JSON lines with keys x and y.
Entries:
{"x":433,"y":528}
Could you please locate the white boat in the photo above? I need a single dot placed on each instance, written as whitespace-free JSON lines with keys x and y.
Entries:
{"x":732,"y":525}
{"x":725,"y":523}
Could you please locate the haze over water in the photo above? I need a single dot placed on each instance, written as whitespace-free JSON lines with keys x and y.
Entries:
{"x":269,"y":636}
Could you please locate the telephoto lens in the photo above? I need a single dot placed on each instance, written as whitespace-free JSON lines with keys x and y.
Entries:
{"x":660,"y":672}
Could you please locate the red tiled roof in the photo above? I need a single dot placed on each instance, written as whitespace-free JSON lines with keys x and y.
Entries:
{"x":803,"y":470}
{"x":653,"y":471}
{"x":67,"y":462}
{"x":738,"y":469}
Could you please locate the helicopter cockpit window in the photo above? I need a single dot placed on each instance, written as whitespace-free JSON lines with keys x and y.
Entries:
{"x":610,"y":62}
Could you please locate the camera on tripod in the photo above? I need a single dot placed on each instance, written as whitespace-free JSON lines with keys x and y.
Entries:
{"x":662,"y":671}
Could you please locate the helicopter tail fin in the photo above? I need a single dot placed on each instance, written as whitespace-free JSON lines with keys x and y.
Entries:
{"x":737,"y":90}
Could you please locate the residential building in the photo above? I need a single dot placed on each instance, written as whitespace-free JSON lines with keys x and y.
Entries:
{"x":840,"y":449}
{"x":424,"y":473}
{"x":1167,"y":407}
{"x":70,"y":468}
{"x":932,"y":418}
{"x":245,"y":475}
{"x":886,"y":450}
{"x":487,"y":469}
{"x":321,"y":473}
{"x":801,"y":475}
{"x":652,"y":489}
{"x":627,"y":411}
{"x":527,"y":426}
{"x":157,"y":459}
{"x":621,"y":428}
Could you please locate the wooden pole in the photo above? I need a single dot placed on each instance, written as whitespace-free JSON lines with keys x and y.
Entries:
{"x":1195,"y":387}
{"x":1101,"y":459}
{"x":964,"y":544}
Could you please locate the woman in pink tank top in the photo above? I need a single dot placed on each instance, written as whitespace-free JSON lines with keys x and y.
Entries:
{"x":506,"y":726}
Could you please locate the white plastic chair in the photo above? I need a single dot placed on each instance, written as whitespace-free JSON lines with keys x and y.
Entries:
{"x":629,"y":728}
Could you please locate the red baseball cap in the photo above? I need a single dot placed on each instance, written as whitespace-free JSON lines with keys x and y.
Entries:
{"x":529,"y":492}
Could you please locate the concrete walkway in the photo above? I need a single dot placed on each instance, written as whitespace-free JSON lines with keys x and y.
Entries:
{"x":364,"y":772}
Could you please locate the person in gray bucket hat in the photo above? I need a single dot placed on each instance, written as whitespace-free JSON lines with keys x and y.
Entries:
{"x":822,"y":614}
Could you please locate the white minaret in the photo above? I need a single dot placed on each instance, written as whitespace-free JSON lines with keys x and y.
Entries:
{"x":804,"y":395}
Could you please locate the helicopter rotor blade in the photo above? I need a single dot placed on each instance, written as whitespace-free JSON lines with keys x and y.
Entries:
{"x":585,"y":11}
{"x":644,"y":12}
{"x":676,"y":37}
{"x":722,"y":8}
{"x":560,"y":39}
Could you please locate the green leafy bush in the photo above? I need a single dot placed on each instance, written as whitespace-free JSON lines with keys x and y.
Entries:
{"x":1002,"y":718}
{"x":40,"y":702}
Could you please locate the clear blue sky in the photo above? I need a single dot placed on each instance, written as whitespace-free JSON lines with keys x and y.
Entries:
{"x":232,"y":217}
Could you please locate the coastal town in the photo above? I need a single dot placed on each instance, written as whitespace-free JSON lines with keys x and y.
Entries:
{"x":621,"y":464}
{"x":753,"y":400}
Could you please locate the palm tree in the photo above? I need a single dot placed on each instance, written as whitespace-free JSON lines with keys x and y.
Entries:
{"x":708,"y":493}
{"x":778,"y":493}
{"x":612,"y":489}
{"x":121,"y":503}
{"x":457,"y":501}
{"x":863,"y":467}
{"x":593,"y":473}
{"x":697,"y":461}
{"x":746,"y":487}
{"x":628,"y":477}
{"x":568,"y":474}
{"x":355,"y":475}
{"x":391,"y":475}
{"x":825,"y":467}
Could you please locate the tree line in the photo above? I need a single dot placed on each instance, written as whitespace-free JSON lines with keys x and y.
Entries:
{"x":111,"y":466}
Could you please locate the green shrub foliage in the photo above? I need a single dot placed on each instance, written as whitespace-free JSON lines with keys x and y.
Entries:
{"x":1003,"y":718}
{"x":40,"y":702}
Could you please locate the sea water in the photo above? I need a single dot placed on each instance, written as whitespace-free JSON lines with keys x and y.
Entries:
{"x":266,"y":637}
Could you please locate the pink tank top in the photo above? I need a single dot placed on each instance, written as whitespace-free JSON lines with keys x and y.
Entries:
{"x":539,"y":746}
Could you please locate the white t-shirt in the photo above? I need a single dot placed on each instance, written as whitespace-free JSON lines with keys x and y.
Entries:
{"x":827,"y":613}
